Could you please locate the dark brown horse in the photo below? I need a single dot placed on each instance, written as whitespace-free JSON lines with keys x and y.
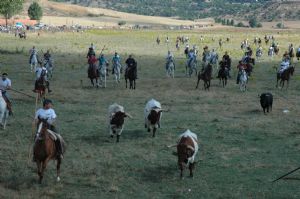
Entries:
{"x":285,"y":76}
{"x":93,"y":73}
{"x":131,"y":74}
{"x":45,"y":150}
{"x":205,"y":76}
{"x":40,"y":87}
{"x":223,"y":75}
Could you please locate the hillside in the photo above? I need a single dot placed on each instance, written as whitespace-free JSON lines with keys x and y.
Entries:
{"x":194,"y":9}
{"x":57,"y":13}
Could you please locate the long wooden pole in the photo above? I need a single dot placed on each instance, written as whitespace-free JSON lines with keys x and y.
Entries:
{"x":287,"y":174}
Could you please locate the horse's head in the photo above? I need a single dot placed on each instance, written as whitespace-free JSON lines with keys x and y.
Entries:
{"x":42,"y":126}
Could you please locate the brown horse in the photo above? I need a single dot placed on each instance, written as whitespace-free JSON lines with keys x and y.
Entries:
{"x":45,"y":149}
{"x":205,"y":76}
{"x":131,"y":74}
{"x":285,"y":76}
{"x":40,"y":87}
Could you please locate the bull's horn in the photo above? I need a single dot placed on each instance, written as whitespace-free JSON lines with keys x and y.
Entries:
{"x":173,"y":145}
{"x":128,"y":115}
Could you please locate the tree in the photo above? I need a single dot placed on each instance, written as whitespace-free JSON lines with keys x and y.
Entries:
{"x":253,"y":22}
{"x":35,"y":11}
{"x":232,"y":22}
{"x":9,"y":8}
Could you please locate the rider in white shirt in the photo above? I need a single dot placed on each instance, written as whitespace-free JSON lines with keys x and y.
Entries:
{"x":5,"y":84}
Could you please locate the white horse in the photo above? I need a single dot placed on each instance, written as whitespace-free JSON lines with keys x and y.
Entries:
{"x":271,"y":52}
{"x":3,"y":112}
{"x":243,"y":80}
{"x":170,"y":68}
{"x":33,"y":61}
{"x":102,"y":71}
{"x":48,"y":64}
{"x":117,"y":71}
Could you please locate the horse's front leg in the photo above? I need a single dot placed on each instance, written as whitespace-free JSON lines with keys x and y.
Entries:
{"x":92,"y":82}
{"x":58,"y":169}
{"x":40,"y":171}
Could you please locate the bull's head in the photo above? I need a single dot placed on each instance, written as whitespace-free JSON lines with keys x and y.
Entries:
{"x":184,"y":152}
{"x":118,"y":118}
{"x":154,"y":116}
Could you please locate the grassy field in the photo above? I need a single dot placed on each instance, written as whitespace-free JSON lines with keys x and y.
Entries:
{"x":241,"y":149}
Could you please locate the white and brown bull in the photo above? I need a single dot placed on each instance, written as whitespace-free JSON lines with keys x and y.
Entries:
{"x":116,"y":116}
{"x":187,"y":148}
{"x":152,"y":113}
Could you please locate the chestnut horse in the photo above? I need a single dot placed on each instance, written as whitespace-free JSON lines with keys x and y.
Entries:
{"x":285,"y":76}
{"x":44,"y":149}
{"x":40,"y":88}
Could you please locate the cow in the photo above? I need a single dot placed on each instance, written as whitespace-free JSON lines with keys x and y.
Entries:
{"x":152,"y":113}
{"x":116,"y":115}
{"x":187,"y":148}
{"x":266,"y":101}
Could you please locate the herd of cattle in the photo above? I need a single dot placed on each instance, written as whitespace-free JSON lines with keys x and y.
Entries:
{"x":187,"y":145}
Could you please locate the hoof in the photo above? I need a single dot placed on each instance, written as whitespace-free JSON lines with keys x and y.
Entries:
{"x":57,"y":179}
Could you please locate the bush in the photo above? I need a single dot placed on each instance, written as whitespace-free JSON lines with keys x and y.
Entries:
{"x":279,"y":25}
{"x":240,"y":24}
{"x":35,"y":11}
{"x":253,"y":22}
{"x":121,"y":23}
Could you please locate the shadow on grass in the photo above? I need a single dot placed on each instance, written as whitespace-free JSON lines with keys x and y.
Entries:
{"x":156,"y":174}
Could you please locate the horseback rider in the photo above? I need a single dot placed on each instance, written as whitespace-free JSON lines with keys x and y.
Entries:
{"x":47,"y":58}
{"x":241,"y":66}
{"x":285,"y":64}
{"x":116,"y":61}
{"x":186,"y":50}
{"x":90,"y":53}
{"x":205,"y":54}
{"x":298,"y":53}
{"x":291,"y":51}
{"x":227,"y":61}
{"x":191,"y":57}
{"x":48,"y":114}
{"x":223,"y":67}
{"x":5,"y":84}
{"x":169,"y":59}
{"x":41,"y":76}
{"x":102,"y":61}
{"x":131,"y":63}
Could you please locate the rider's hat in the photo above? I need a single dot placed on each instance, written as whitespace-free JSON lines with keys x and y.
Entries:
{"x":4,"y":74}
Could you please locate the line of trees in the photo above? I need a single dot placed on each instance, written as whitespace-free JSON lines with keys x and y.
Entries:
{"x":253,"y":23}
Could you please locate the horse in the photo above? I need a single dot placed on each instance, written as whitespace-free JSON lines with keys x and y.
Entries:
{"x":223,"y":75}
{"x":4,"y":112}
{"x":103,"y":73}
{"x":45,"y":150}
{"x":170,"y":68}
{"x":48,"y":64}
{"x":131,"y":74}
{"x":192,"y":66}
{"x":285,"y":76}
{"x":205,"y":76}
{"x":93,"y":73}
{"x":243,"y":80}
{"x":33,"y":61}
{"x":40,"y":86}
{"x":117,"y":71}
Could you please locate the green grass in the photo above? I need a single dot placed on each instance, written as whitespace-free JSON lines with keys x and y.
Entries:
{"x":241,"y":149}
